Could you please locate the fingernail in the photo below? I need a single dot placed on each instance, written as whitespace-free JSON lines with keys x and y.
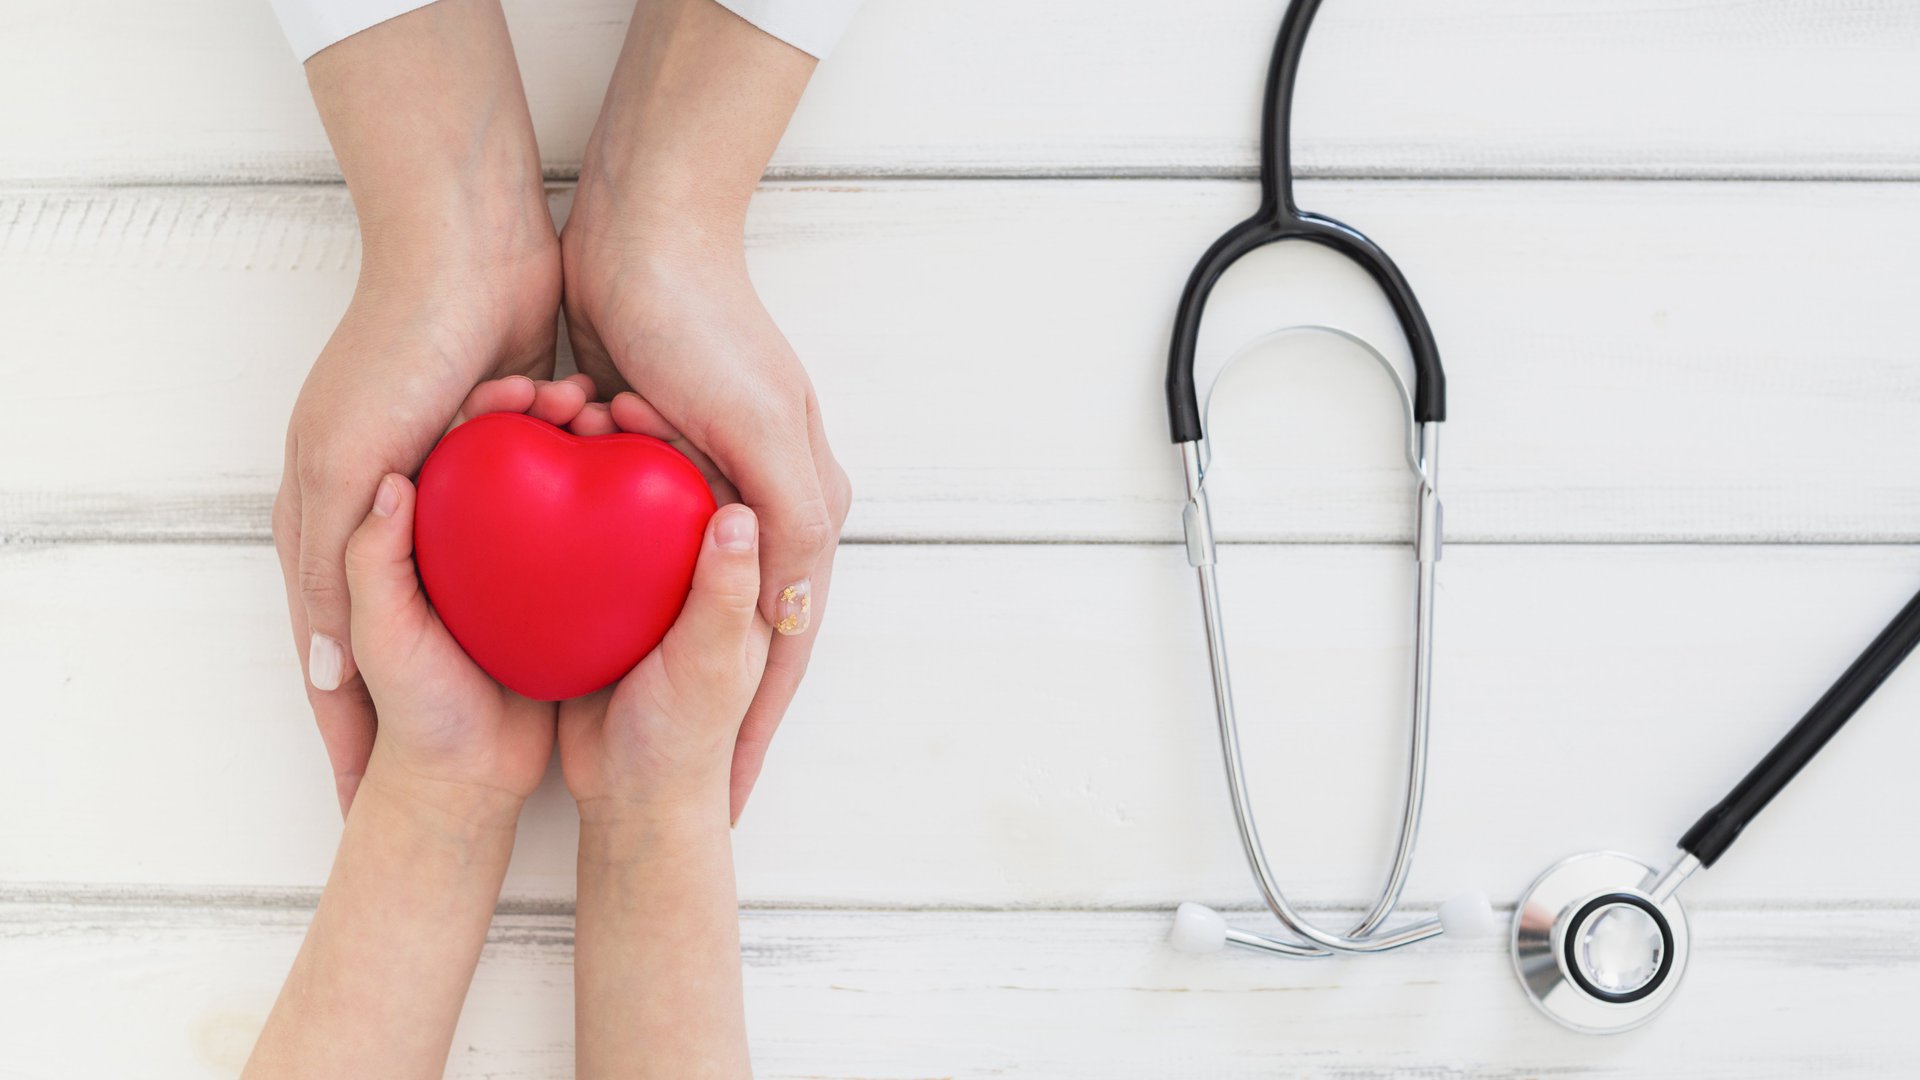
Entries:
{"x":386,"y":498}
{"x":794,"y":612}
{"x":325,"y":658}
{"x":735,"y":530}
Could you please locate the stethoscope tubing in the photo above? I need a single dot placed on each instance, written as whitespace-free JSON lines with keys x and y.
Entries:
{"x":1719,"y":827}
{"x":1278,"y":220}
{"x":1183,"y":400}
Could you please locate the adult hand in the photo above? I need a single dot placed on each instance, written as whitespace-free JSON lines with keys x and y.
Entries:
{"x":658,"y":299}
{"x":377,"y":400}
{"x":693,"y":338}
{"x":459,"y":281}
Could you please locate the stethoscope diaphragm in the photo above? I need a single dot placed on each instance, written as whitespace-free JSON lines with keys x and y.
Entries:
{"x":1593,"y":948}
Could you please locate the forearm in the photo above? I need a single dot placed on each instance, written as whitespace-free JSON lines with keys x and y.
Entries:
{"x":378,"y":984}
{"x":697,"y":104}
{"x":429,"y":121}
{"x":657,"y":949}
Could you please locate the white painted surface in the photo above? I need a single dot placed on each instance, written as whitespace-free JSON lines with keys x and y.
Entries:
{"x":1681,"y":477}
{"x":1628,"y":361}
{"x":1029,"y":724}
{"x":845,"y":995}
{"x":1391,"y":87}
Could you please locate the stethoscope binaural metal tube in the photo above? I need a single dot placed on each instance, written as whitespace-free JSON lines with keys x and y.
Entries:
{"x":1277,"y":220}
{"x":1361,"y":939}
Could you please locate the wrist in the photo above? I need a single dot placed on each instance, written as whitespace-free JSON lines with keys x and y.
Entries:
{"x":480,"y":279}
{"x":441,"y":812}
{"x":424,"y":238}
{"x":695,"y":108}
{"x":615,"y":828}
{"x":430,"y":125}
{"x":644,"y":212}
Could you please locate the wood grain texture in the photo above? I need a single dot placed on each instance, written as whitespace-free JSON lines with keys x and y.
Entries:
{"x":1628,"y":362}
{"x":1031,"y":725}
{"x":953,"y":994}
{"x":115,"y":90}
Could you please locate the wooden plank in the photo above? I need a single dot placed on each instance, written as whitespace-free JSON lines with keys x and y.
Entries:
{"x":116,"y":90}
{"x":1028,"y":994}
{"x":1628,"y":362}
{"x":1031,"y":725}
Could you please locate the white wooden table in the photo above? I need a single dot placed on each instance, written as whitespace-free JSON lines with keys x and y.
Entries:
{"x":1670,"y":252}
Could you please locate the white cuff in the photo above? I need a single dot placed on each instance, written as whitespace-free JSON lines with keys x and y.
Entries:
{"x":312,"y":25}
{"x":812,"y":26}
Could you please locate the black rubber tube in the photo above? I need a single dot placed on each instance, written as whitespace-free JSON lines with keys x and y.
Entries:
{"x":1277,"y":220}
{"x":1720,"y":827}
{"x":1276,"y":113}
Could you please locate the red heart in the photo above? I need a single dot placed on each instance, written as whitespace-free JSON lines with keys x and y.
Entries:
{"x":557,"y":561}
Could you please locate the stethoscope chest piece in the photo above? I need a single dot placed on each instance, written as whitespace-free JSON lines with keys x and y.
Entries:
{"x":1594,"y":948}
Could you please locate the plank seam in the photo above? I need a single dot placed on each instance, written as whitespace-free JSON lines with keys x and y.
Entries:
{"x":39,"y":540}
{"x":54,"y":894}
{"x":566,"y":177}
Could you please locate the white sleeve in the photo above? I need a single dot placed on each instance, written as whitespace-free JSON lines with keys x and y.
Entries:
{"x":312,"y":25}
{"x":812,"y":26}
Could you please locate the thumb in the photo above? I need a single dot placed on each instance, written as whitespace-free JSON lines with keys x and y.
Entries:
{"x":380,"y":576}
{"x":713,"y":641}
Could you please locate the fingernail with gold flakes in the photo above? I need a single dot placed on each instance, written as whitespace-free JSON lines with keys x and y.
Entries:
{"x":795,"y":608}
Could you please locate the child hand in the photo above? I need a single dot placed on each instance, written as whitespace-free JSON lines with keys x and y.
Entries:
{"x":660,"y":741}
{"x":663,"y":734}
{"x":448,"y":731}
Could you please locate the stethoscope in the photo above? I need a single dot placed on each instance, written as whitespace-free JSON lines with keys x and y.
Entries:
{"x":1599,"y":940}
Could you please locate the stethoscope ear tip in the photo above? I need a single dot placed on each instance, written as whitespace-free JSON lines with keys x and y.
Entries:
{"x":1198,"y":928}
{"x":1469,"y":915}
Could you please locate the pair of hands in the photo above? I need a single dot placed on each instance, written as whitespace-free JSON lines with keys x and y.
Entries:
{"x":450,"y":736}
{"x":462,"y":284}
{"x":674,"y":316}
{"x":378,"y":984}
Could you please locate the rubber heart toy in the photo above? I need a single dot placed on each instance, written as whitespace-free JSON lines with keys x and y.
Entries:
{"x":557,"y":561}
